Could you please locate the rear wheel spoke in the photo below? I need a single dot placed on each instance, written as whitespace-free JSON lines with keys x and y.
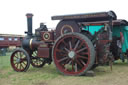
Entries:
{"x":63,"y":59}
{"x":72,"y":65}
{"x":67,"y":49}
{"x":82,"y":49}
{"x":60,"y":51}
{"x":83,"y":57}
{"x":67,"y":61}
{"x":84,"y":53}
{"x":81,"y":44}
{"x":77,"y":44}
{"x":77,"y":61}
{"x":83,"y":62}
{"x":66,"y":67}
{"x":64,"y":55}
{"x":70,"y":45}
{"x":65,"y":44}
{"x":75,"y":67}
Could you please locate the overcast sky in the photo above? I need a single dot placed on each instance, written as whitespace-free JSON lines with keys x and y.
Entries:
{"x":13,"y":20}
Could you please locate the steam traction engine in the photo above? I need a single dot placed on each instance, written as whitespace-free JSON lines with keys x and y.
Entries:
{"x":79,"y":43}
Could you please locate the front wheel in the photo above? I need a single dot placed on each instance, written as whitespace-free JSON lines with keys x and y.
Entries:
{"x":37,"y":61}
{"x":20,"y":60}
{"x":73,"y":54}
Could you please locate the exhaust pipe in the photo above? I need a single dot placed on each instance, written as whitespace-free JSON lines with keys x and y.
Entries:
{"x":29,"y":24}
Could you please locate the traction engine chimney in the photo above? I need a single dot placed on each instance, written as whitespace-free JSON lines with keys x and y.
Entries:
{"x":29,"y":24}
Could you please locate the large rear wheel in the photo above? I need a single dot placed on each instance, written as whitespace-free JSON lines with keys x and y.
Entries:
{"x":73,"y":54}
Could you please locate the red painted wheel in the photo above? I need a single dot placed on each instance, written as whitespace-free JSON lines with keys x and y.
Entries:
{"x":73,"y":54}
{"x":37,"y":61}
{"x":20,"y":60}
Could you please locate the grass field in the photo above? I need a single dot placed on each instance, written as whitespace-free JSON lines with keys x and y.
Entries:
{"x":49,"y":76}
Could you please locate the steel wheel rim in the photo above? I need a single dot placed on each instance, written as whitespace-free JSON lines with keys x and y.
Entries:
{"x":19,"y":61}
{"x":36,"y":61}
{"x":82,"y":55}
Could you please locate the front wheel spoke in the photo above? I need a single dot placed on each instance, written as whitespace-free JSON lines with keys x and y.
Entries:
{"x":14,"y":60}
{"x":62,"y":59}
{"x":15,"y":56}
{"x":16,"y":64}
{"x":21,"y":55}
{"x":40,"y":61}
{"x":23,"y":59}
{"x":77,"y":44}
{"x":35,"y":53}
{"x":81,"y":50}
{"x":22,"y":65}
{"x":36,"y":62}
{"x":34,"y":58}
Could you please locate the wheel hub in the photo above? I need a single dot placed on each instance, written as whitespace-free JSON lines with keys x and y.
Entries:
{"x":71,"y":54}
{"x":18,"y":60}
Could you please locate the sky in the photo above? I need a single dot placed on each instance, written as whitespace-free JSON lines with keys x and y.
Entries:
{"x":13,"y":19}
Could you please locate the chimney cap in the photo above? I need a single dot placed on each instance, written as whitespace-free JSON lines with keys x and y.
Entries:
{"x":29,"y":15}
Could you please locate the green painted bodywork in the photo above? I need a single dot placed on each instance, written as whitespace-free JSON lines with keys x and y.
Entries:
{"x":93,"y":29}
{"x":115,"y":32}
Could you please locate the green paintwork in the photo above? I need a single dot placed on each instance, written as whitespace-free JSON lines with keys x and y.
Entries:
{"x":115,"y":32}
{"x":93,"y":29}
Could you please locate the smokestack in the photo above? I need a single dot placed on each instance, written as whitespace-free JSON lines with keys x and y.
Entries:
{"x":29,"y":24}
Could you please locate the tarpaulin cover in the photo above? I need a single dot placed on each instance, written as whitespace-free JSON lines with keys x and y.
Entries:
{"x":115,"y":32}
{"x":124,"y":30}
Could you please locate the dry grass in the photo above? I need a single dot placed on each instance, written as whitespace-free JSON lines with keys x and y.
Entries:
{"x":49,"y":76}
